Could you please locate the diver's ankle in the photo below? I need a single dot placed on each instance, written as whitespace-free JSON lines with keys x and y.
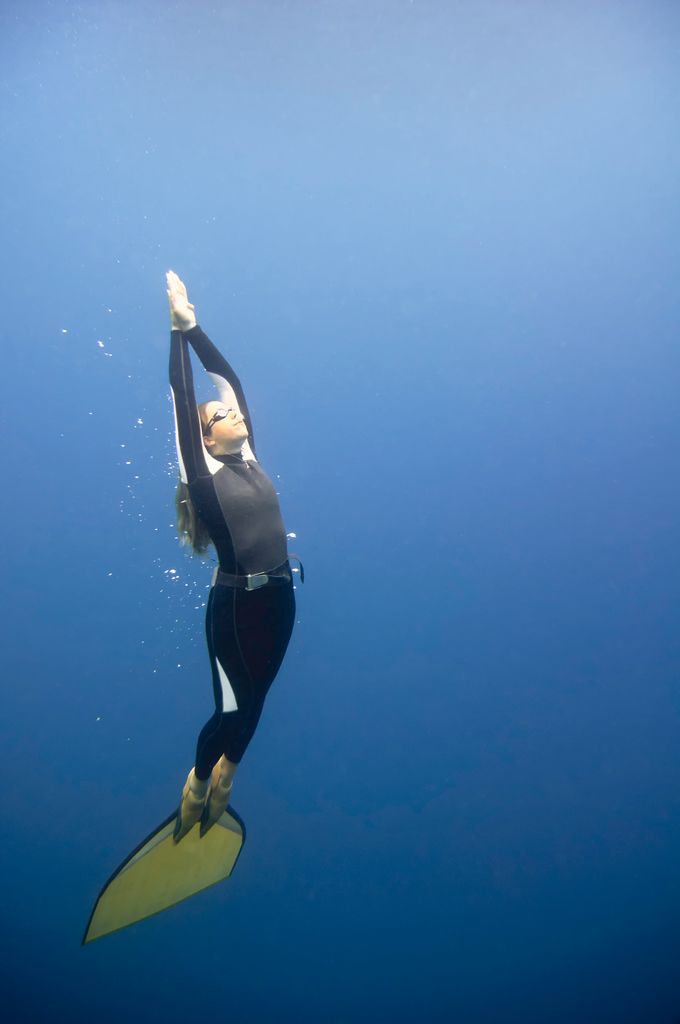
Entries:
{"x":199,"y":787}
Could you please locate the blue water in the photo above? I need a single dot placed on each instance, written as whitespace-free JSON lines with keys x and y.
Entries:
{"x":439,"y":242}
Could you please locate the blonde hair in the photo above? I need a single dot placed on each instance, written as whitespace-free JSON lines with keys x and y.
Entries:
{"x":191,"y":529}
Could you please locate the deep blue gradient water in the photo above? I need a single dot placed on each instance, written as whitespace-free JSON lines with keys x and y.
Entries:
{"x":439,"y":242}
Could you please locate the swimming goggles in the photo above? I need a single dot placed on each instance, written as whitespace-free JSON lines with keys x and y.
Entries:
{"x":221,"y":414}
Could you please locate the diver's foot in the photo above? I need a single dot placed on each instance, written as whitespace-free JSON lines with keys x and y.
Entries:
{"x":218,"y":800}
{"x":194,"y":798}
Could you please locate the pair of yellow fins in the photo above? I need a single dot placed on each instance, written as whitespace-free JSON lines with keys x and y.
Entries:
{"x":160,"y":873}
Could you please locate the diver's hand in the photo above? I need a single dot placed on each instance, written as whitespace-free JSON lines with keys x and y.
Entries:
{"x":182,"y":315}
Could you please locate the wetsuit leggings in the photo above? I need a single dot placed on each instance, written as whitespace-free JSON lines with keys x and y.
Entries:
{"x":248,"y":633}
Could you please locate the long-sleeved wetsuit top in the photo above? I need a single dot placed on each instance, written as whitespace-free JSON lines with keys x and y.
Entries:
{"x":231,"y":493}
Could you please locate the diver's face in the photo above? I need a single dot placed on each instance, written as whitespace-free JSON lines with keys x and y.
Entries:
{"x":224,"y":429}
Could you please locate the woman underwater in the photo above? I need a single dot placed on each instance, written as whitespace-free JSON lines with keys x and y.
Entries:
{"x":226,"y":499}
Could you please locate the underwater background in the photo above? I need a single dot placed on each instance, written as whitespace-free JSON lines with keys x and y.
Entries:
{"x":439,"y":243}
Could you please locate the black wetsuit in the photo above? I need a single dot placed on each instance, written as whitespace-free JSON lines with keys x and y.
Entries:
{"x":247,"y":630}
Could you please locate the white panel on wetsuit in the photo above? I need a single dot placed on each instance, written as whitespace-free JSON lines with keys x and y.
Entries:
{"x":213,"y":465}
{"x":228,"y":697}
{"x":228,"y":398}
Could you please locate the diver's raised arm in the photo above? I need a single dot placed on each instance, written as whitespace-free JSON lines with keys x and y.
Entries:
{"x":191,"y":453}
{"x":194,"y":460}
{"x":222,"y":374}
